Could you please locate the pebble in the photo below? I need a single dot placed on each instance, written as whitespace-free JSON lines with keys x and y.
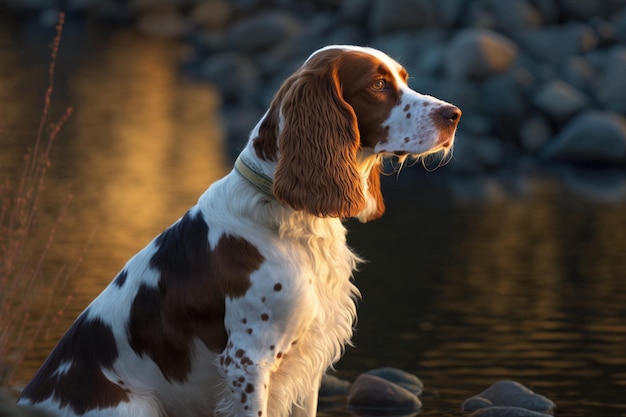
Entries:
{"x":333,"y":386}
{"x":397,"y":15}
{"x":554,"y":44}
{"x":371,"y":392}
{"x":591,"y":138}
{"x":508,"y":394}
{"x":478,"y":53}
{"x":507,"y":412}
{"x":560,"y":100}
{"x":612,"y":92}
{"x":400,"y":377}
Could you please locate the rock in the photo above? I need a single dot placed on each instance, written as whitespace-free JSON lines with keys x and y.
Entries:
{"x":579,"y":74}
{"x":503,"y":101}
{"x":507,"y":412}
{"x":592,"y":137}
{"x":370,"y":392}
{"x":143,"y":5}
{"x":509,"y":394}
{"x":164,"y":24}
{"x":560,"y":100}
{"x":514,"y":15}
{"x":607,"y":185}
{"x":400,"y":377}
{"x":354,"y":11}
{"x":409,"y":46}
{"x":478,"y":53}
{"x":554,"y":44}
{"x":448,"y":12}
{"x":619,"y":26}
{"x":582,"y":9}
{"x":212,"y":14}
{"x":396,"y":15}
{"x":262,"y":31}
{"x":333,"y":386}
{"x":548,"y":9}
{"x":535,"y":133}
{"x":235,"y":75}
{"x":612,"y":93}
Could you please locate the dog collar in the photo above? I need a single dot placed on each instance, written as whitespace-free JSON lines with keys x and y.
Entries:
{"x":258,"y":180}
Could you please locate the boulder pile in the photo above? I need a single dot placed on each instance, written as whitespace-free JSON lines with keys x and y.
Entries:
{"x":536,"y":79}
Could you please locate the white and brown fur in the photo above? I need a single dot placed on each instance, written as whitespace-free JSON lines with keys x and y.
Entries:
{"x":240,"y":306}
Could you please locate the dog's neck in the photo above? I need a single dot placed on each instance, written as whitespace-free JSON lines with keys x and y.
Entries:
{"x":254,"y":175}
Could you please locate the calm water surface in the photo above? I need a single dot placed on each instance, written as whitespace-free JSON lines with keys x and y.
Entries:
{"x":529,"y":286}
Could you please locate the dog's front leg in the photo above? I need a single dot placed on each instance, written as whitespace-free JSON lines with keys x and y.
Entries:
{"x":246,"y":383}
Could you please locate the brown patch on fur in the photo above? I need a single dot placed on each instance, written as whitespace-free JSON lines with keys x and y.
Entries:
{"x":86,"y":349}
{"x":189,"y":301}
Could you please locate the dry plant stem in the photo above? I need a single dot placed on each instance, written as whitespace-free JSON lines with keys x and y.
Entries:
{"x":21,"y":276}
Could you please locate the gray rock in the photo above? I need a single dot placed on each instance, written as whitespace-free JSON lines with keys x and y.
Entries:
{"x":262,"y":31}
{"x":612,"y":93}
{"x":548,"y":9}
{"x":579,"y":74}
{"x":407,"y":47}
{"x":400,"y":377}
{"x":509,"y":394}
{"x":163,"y":23}
{"x":619,"y":26}
{"x":354,"y":11}
{"x":607,"y":185}
{"x":507,"y":412}
{"x":582,"y":9}
{"x":212,"y":14}
{"x":592,"y":137}
{"x":514,"y":15}
{"x":478,"y":53}
{"x":503,"y":101}
{"x":554,"y":44}
{"x":396,"y":15}
{"x":333,"y":386}
{"x":370,"y":392}
{"x":560,"y":100}
{"x":535,"y":133}
{"x":234,"y":74}
{"x":448,"y":12}
{"x":29,"y":5}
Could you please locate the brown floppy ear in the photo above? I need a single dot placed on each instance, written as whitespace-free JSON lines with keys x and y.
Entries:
{"x":375,"y":194}
{"x":318,"y":144}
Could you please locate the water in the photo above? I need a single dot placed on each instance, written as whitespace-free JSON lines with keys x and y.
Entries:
{"x":529,"y":285}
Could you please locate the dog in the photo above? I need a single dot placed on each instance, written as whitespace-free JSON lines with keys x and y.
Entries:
{"x":240,"y":307}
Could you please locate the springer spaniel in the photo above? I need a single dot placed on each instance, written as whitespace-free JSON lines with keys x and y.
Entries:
{"x":240,"y":306}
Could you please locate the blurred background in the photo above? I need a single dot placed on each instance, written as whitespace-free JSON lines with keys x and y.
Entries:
{"x":507,"y":263}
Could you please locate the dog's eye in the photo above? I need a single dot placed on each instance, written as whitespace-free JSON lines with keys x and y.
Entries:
{"x":378,"y":85}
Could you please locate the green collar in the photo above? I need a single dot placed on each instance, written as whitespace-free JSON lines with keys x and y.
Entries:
{"x":258,"y":180}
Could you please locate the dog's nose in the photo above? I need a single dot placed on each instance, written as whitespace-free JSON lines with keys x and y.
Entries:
{"x":451,"y":114}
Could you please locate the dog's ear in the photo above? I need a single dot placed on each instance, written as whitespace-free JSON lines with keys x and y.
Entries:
{"x":318,"y":144}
